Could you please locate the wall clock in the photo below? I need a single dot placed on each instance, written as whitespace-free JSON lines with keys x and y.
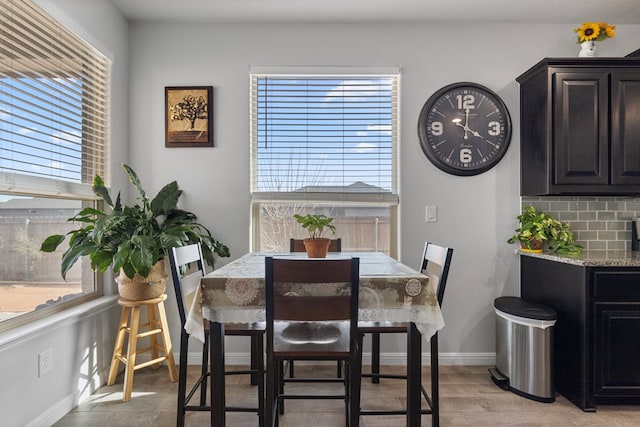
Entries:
{"x":464,"y":129}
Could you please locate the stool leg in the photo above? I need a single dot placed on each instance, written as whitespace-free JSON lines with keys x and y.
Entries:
{"x":166,"y":339}
{"x":117,"y":349}
{"x":153,"y":339}
{"x":131,"y":353}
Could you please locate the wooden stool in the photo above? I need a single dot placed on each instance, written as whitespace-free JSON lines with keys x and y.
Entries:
{"x":154,"y":326}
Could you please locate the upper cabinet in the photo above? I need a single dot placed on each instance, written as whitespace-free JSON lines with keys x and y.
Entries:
{"x":580,"y":127}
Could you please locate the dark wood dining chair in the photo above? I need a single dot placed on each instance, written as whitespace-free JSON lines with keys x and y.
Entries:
{"x":435,"y":264}
{"x":297,"y":245}
{"x":311,"y":317}
{"x":187,"y":267}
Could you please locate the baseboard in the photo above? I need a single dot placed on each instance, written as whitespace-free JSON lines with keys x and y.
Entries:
{"x":61,"y":408}
{"x":445,"y":359}
{"x":55,"y":412}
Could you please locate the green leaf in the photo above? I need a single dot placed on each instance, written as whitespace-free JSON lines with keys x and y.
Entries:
{"x":122,"y":255}
{"x":133,"y":178}
{"x":100,"y":190}
{"x":142,"y":254}
{"x":166,"y":200}
{"x":86,"y":213}
{"x":129,"y":271}
{"x":72,"y":255}
{"x":101,"y":260}
{"x":51,"y":243}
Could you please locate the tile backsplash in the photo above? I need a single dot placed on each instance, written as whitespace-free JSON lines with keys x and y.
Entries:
{"x":597,"y":222}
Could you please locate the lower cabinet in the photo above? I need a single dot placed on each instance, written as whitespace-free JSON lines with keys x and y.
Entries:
{"x":597,"y":334}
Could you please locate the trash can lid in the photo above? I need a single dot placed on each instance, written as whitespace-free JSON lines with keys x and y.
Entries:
{"x":519,"y":307}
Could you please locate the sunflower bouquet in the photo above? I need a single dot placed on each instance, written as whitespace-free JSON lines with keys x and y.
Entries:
{"x":595,"y":31}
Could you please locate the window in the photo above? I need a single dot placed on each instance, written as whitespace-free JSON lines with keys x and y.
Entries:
{"x":53,"y":140}
{"x":324,"y":141}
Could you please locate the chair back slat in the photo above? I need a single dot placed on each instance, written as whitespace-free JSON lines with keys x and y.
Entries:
{"x":297,"y":245}
{"x":312,"y":309}
{"x":180,"y":258}
{"x":325,"y":270}
{"x":435,"y":264}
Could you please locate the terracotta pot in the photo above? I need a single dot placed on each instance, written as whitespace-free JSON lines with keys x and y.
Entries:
{"x":141,"y":288}
{"x":317,"y":248}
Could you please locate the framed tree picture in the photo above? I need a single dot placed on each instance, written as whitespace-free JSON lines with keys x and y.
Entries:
{"x":188,"y":116}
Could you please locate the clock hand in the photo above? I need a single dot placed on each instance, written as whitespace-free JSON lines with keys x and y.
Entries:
{"x":467,"y":128}
{"x":466,"y":123}
{"x":475,"y":133}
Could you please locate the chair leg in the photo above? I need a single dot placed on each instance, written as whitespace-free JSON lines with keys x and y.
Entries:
{"x":435,"y":386}
{"x":292,"y":373}
{"x":281,"y":384}
{"x":272,"y":386}
{"x":204,"y":371}
{"x":279,"y":391}
{"x":375,"y":357}
{"x":254,"y":360}
{"x":355,"y":386}
{"x":182,"y":377}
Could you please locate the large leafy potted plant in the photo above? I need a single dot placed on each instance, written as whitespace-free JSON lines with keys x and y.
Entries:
{"x":538,"y":228}
{"x":134,"y":240}
{"x":317,"y":226}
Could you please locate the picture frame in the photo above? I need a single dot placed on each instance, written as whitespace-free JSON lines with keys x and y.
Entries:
{"x":188,"y":116}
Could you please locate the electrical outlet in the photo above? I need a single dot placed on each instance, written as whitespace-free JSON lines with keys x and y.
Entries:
{"x":45,"y":362}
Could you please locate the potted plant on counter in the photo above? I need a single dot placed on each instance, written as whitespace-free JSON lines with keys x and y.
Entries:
{"x":134,"y":239}
{"x":317,"y":226}
{"x":538,"y":228}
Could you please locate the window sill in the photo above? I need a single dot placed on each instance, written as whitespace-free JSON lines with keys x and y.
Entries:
{"x":64,"y":318}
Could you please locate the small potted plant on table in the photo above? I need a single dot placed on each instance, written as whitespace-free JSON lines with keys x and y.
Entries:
{"x":317,"y":225}
{"x":538,"y":228}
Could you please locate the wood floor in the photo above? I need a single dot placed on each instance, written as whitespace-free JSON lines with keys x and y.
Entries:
{"x":468,"y":398}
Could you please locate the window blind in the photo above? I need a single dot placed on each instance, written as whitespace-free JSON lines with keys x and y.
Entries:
{"x":324,"y":137}
{"x":53,"y":105}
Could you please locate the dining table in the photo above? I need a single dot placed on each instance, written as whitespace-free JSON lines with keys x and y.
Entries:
{"x":389,"y":291}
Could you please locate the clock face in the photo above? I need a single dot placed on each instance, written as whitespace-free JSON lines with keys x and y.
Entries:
{"x":464,"y":129}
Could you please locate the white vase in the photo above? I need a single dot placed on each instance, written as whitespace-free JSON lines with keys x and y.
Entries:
{"x":587,"y":49}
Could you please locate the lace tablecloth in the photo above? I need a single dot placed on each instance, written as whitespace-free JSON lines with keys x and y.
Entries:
{"x":389,"y":291}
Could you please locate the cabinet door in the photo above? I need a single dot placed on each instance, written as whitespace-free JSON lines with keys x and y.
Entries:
{"x":580,"y":127}
{"x":617,"y":371}
{"x":625,"y":127}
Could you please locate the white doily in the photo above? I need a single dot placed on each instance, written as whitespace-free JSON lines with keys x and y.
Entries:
{"x":241,"y":291}
{"x":413,"y":287}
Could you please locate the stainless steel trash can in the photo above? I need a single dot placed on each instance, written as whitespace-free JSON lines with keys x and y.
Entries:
{"x":524,"y":348}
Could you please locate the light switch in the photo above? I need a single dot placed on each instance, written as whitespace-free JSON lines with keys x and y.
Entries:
{"x":431,"y":214}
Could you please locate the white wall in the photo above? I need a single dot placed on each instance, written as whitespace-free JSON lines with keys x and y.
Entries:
{"x":475,"y":214}
{"x":81,"y":339}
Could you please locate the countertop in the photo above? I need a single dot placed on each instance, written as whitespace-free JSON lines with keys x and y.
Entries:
{"x":593,"y":258}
